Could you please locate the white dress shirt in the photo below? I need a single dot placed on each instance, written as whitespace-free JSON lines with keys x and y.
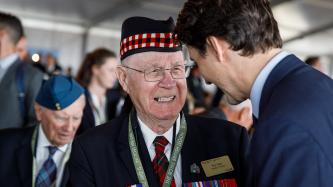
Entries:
{"x":260,"y":81}
{"x":149,"y":137}
{"x":99,"y":109}
{"x":42,"y":153}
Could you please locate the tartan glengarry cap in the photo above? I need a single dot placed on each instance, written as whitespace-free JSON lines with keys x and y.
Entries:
{"x":140,"y":34}
{"x":58,"y":92}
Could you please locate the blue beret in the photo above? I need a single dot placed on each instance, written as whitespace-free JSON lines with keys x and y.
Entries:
{"x":58,"y":92}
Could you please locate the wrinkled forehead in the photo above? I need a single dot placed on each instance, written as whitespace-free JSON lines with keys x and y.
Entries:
{"x":152,"y":58}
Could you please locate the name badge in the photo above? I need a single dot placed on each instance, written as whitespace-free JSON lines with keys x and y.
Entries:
{"x":217,"y":166}
{"x":135,"y":185}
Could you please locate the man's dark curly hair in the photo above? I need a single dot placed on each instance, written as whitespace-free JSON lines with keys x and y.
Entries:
{"x":247,"y":25}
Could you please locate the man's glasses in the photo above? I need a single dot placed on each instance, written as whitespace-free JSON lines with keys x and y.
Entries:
{"x":157,"y":74}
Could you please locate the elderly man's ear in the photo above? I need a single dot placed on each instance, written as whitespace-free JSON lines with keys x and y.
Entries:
{"x":122,"y":77}
{"x":38,"y":111}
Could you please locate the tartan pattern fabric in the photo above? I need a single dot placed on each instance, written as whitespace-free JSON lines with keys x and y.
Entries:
{"x":160,"y":161}
{"x":48,"y":173}
{"x":162,"y":40}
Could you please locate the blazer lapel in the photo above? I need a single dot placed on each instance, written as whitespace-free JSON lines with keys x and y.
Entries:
{"x":193,"y":152}
{"x":65,"y":176}
{"x":286,"y":66}
{"x":124,"y":151}
{"x":88,"y":110}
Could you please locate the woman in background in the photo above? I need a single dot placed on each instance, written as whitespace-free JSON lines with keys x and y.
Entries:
{"x":103,"y":99}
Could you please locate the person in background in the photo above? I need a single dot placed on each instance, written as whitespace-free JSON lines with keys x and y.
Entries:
{"x":97,"y":75}
{"x":314,"y":61}
{"x":19,"y":81}
{"x":37,"y":156}
{"x":52,"y":67}
{"x":240,"y":114}
{"x":156,"y":138}
{"x":237,"y":46}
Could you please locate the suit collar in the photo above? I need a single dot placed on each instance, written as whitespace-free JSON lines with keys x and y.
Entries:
{"x":191,"y":156}
{"x":259,"y":82}
{"x":125,"y":152}
{"x":8,"y":61}
{"x":88,"y":112}
{"x":8,"y":77}
{"x":285,"y":67}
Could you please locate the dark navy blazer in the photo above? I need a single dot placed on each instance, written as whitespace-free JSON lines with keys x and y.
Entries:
{"x":292,"y":142}
{"x":16,"y":158}
{"x":102,"y":157}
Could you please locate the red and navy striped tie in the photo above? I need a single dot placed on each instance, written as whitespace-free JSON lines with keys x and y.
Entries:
{"x":160,"y":161}
{"x":48,"y":173}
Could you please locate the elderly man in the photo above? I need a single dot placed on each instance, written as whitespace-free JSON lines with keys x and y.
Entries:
{"x":237,"y":45}
{"x":19,"y":81}
{"x":37,"y":156}
{"x":156,"y":144}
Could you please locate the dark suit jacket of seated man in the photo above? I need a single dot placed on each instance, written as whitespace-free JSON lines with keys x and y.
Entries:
{"x":25,"y":160}
{"x":170,"y":147}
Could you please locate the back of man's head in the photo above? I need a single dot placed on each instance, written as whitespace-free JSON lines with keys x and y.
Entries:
{"x":247,"y":25}
{"x":12,"y":25}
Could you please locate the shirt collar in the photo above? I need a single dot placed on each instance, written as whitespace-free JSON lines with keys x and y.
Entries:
{"x":149,"y":135}
{"x":259,"y":83}
{"x":8,"y":61}
{"x":43,"y":142}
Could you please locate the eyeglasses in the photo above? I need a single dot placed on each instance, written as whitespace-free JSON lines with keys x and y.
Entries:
{"x":157,"y":74}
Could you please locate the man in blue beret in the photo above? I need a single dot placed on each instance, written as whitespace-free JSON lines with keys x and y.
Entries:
{"x":37,"y":156}
{"x":156,"y":144}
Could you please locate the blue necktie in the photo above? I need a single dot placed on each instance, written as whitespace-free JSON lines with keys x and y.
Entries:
{"x":48,"y":173}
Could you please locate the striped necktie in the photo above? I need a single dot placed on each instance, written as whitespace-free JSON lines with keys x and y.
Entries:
{"x":48,"y":173}
{"x":160,"y":161}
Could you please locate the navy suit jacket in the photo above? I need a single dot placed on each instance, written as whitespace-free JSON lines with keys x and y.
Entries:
{"x":16,"y":158}
{"x":292,"y":142}
{"x":102,"y":157}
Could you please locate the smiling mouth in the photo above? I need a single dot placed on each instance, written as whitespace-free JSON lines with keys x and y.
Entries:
{"x":164,"y":99}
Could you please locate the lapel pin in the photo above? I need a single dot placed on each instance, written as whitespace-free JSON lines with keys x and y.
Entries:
{"x":194,"y":168}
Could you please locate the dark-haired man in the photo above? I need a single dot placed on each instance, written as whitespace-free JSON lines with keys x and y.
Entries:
{"x":237,"y":46}
{"x":19,"y":81}
{"x":156,"y":144}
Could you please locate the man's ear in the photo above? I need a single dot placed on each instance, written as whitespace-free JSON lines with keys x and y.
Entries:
{"x":21,"y":48}
{"x":122,"y":77}
{"x":38,"y":109}
{"x":22,"y":43}
{"x":216,"y":46}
